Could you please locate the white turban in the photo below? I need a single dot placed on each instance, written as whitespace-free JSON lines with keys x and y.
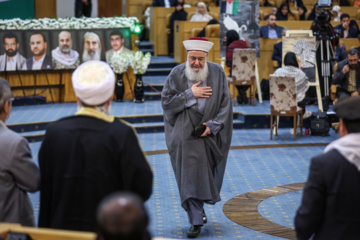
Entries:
{"x":93,"y":82}
{"x":198,"y":44}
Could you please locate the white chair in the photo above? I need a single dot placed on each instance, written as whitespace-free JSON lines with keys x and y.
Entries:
{"x":283,"y":102}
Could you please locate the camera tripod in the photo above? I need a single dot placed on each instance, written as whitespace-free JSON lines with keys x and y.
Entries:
{"x":325,"y":60}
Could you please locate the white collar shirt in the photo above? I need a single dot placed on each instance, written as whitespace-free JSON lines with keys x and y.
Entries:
{"x":37,"y":65}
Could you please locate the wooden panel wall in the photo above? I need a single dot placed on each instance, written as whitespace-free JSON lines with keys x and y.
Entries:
{"x":109,"y":8}
{"x":36,"y":83}
{"x":45,"y":8}
{"x":158,"y":36}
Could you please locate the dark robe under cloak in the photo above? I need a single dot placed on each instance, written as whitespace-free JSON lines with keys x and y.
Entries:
{"x":84,"y":158}
{"x":198,"y":164}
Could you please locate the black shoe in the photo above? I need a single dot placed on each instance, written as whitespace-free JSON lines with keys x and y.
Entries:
{"x":239,"y":99}
{"x":194,"y":231}
{"x":204,"y":217}
{"x":244,"y":97}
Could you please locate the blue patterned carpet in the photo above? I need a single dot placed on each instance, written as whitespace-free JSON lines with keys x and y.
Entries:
{"x":247,"y":170}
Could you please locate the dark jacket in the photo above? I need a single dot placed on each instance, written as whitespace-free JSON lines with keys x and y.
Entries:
{"x":230,"y":50}
{"x":353,"y":32}
{"x":330,"y":206}
{"x":343,"y":79}
{"x":277,"y":53}
{"x":82,"y":159}
{"x":161,"y":3}
{"x":264,"y":31}
{"x":47,"y":63}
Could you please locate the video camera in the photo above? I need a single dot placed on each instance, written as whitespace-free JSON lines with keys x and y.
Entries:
{"x":322,"y":28}
{"x":325,"y":14}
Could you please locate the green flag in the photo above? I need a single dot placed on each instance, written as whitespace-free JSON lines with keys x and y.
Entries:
{"x":23,"y":9}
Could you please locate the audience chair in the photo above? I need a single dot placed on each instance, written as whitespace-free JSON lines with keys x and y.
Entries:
{"x":243,"y":71}
{"x":283,"y":102}
{"x":190,"y":14}
{"x":214,"y":15}
{"x":357,"y":15}
{"x":296,"y":15}
{"x":195,"y":31}
{"x":212,"y":31}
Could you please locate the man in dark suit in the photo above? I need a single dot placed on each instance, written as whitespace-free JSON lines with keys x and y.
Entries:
{"x":347,"y":75}
{"x":345,"y":30}
{"x":330,"y":206}
{"x":271,"y":30}
{"x":277,"y":53}
{"x":83,"y":8}
{"x":38,"y":48}
{"x":165,"y":3}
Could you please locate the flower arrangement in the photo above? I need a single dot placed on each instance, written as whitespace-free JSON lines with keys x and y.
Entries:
{"x":120,"y":62}
{"x":140,"y":62}
{"x":69,"y":23}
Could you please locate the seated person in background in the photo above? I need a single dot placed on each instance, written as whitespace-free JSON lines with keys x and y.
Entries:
{"x":232,"y":42}
{"x":201,"y":14}
{"x":164,"y":3}
{"x":330,"y":203}
{"x":122,"y":215}
{"x":353,"y":23}
{"x":336,"y":11}
{"x":291,"y":69}
{"x":340,"y":52}
{"x":347,"y":75}
{"x":314,"y":13}
{"x":277,"y":53}
{"x":271,"y":30}
{"x":345,"y":30}
{"x":302,"y":10}
{"x":284,"y":13}
{"x":178,"y":15}
{"x":273,"y":11}
{"x":356,"y":3}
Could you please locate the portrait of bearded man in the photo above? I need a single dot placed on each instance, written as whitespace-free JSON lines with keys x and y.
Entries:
{"x":92,"y":47}
{"x":11,"y":60}
{"x":64,"y":57}
{"x":40,"y":59}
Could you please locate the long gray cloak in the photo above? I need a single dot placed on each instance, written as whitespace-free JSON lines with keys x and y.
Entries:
{"x":198,"y":164}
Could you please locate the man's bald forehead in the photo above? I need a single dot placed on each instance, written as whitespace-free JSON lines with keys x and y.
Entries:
{"x":64,"y":34}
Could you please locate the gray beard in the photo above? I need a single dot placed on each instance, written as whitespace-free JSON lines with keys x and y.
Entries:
{"x":86,"y":57}
{"x":196,"y":76}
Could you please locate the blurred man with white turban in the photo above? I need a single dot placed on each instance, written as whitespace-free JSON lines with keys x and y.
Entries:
{"x":92,"y":47}
{"x":85,"y":157}
{"x":198,"y":128}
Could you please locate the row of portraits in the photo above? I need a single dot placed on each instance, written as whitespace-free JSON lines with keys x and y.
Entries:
{"x":59,"y":49}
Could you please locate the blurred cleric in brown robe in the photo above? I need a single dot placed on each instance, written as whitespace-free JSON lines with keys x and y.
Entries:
{"x":85,"y":157}
{"x":196,"y":94}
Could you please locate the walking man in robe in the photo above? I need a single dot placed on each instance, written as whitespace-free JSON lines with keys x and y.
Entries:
{"x":196,"y":95}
